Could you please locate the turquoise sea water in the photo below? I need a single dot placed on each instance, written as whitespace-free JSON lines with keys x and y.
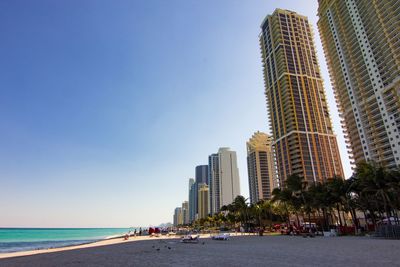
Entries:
{"x":21,"y":239}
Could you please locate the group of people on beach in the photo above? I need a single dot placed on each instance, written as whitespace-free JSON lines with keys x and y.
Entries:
{"x":151,"y":231}
{"x":127,"y":235}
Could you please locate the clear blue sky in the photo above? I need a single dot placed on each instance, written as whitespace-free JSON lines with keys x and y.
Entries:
{"x":106,"y":107}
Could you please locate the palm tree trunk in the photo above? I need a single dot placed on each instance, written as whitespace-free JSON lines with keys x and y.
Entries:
{"x":344,"y":218}
{"x":325,"y":220}
{"x":365,"y":218}
{"x":287,"y":216}
{"x":338,"y":210}
{"x":319,"y":219}
{"x":315,"y":220}
{"x":373,"y":218}
{"x":298,"y":220}
{"x":396,"y":216}
{"x":354,"y":217}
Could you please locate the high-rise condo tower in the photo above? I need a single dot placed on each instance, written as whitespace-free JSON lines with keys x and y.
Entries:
{"x":261,"y":167}
{"x":223,"y":179}
{"x":192,"y":200}
{"x":362,"y":46}
{"x":203,"y":198}
{"x":201,"y":174}
{"x":303,"y":137}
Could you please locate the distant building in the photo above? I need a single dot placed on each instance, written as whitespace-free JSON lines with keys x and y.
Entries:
{"x":185,"y":212}
{"x":203,"y":200}
{"x":223,"y":180}
{"x":362,"y":47}
{"x":202,"y":174}
{"x":213,"y":183}
{"x":261,"y":167}
{"x":178,"y":218}
{"x":304,"y":141}
{"x":192,"y":200}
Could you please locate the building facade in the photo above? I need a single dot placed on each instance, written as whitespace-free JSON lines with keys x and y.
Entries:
{"x":185,"y":212}
{"x":178,"y":218}
{"x":203,"y":200}
{"x":192,"y":200}
{"x":202,"y":174}
{"x":362,"y":46}
{"x":304,"y":141}
{"x":223,"y":179}
{"x":213,"y":183}
{"x":261,"y":167}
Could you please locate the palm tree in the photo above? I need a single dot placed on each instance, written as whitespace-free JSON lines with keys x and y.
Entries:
{"x":349,"y":199}
{"x":266,"y":207}
{"x":375,"y":191}
{"x":240,"y":207}
{"x":296,"y":188}
{"x":321,"y":200}
{"x":282,"y":198}
{"x":336,"y":189}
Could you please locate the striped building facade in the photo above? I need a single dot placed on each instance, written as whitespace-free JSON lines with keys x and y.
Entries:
{"x":303,"y":136}
{"x":362,"y":46}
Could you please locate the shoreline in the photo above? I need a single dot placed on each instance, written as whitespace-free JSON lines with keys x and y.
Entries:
{"x":97,"y":243}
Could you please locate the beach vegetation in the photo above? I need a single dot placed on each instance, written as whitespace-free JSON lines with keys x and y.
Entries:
{"x":373,"y":191}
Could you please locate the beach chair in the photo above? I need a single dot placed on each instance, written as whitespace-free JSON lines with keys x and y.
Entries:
{"x":190,"y":239}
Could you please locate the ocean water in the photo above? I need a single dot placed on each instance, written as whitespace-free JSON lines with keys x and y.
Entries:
{"x":22,"y":239}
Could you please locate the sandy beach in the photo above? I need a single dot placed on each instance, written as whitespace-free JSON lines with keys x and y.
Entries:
{"x":101,"y":243}
{"x":239,"y":251}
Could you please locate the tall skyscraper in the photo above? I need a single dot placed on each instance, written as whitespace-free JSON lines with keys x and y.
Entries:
{"x":178,"y":218}
{"x":203,"y":200}
{"x":303,"y":137}
{"x":202,"y":174}
{"x":261,"y":167}
{"x":213,"y":183}
{"x":192,"y":200}
{"x":223,"y":179}
{"x":185,"y":212}
{"x":362,"y":46}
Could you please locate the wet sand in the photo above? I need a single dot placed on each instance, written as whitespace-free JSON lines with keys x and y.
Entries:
{"x":239,"y":251}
